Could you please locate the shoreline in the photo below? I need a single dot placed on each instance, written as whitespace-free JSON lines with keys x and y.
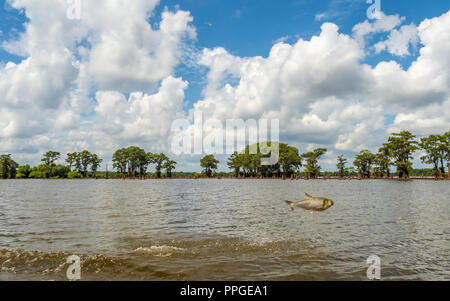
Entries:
{"x":241,"y":178}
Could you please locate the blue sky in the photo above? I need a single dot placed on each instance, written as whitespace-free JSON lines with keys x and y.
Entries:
{"x":345,"y":95}
{"x":251,"y":27}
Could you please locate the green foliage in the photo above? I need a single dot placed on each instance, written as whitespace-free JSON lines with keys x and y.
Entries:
{"x":445,"y":141}
{"x":248,"y":162}
{"x":235,"y":162}
{"x":8,"y":167}
{"x":40,"y":172}
{"x":95,"y":164}
{"x":74,"y":175}
{"x":341,"y":166}
{"x":35,"y":174}
{"x":401,"y":147}
{"x":158,"y":160}
{"x":382,"y":162}
{"x":73,"y":160}
{"x":23,"y":171}
{"x":444,"y":149}
{"x":82,"y":161}
{"x":43,"y":171}
{"x":169,"y":166}
{"x":138,"y":161}
{"x":363,"y":162}
{"x":60,"y":172}
{"x":433,"y":152}
{"x":134,"y":161}
{"x":50,"y":158}
{"x":120,"y":160}
{"x":424,"y":172}
{"x":85,"y":158}
{"x":209,"y":164}
{"x":351,"y":171}
{"x":312,"y":168}
{"x":289,"y":159}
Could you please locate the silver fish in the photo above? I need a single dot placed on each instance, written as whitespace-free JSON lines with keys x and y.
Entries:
{"x":312,"y":203}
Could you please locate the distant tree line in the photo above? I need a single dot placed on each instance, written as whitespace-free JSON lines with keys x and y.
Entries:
{"x":246,"y":164}
{"x":397,"y":151}
{"x":82,"y":163}
{"x":134,"y":162}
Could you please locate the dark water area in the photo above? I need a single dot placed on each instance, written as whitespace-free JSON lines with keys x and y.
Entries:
{"x":223,"y":229}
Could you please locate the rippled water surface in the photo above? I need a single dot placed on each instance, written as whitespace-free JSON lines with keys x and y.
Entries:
{"x":223,"y":230}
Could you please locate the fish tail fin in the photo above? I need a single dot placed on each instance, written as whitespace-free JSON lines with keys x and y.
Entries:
{"x":290,"y":204}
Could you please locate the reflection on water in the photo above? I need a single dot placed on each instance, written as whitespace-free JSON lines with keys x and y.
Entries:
{"x":223,"y":230}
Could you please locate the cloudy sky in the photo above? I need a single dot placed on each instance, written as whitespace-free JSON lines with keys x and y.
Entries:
{"x":125,"y":70}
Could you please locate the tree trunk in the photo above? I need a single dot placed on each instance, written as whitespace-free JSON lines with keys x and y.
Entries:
{"x":405,"y":174}
{"x":437,"y":172}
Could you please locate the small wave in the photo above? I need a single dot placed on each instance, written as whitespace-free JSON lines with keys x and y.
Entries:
{"x":161,"y":251}
{"x":52,"y":264}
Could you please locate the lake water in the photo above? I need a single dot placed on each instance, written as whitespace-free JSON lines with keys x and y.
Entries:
{"x":223,"y":229}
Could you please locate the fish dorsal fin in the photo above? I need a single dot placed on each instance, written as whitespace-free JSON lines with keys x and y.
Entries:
{"x":308,"y":197}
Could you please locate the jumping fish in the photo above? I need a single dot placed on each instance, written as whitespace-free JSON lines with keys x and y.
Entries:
{"x":312,"y":203}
